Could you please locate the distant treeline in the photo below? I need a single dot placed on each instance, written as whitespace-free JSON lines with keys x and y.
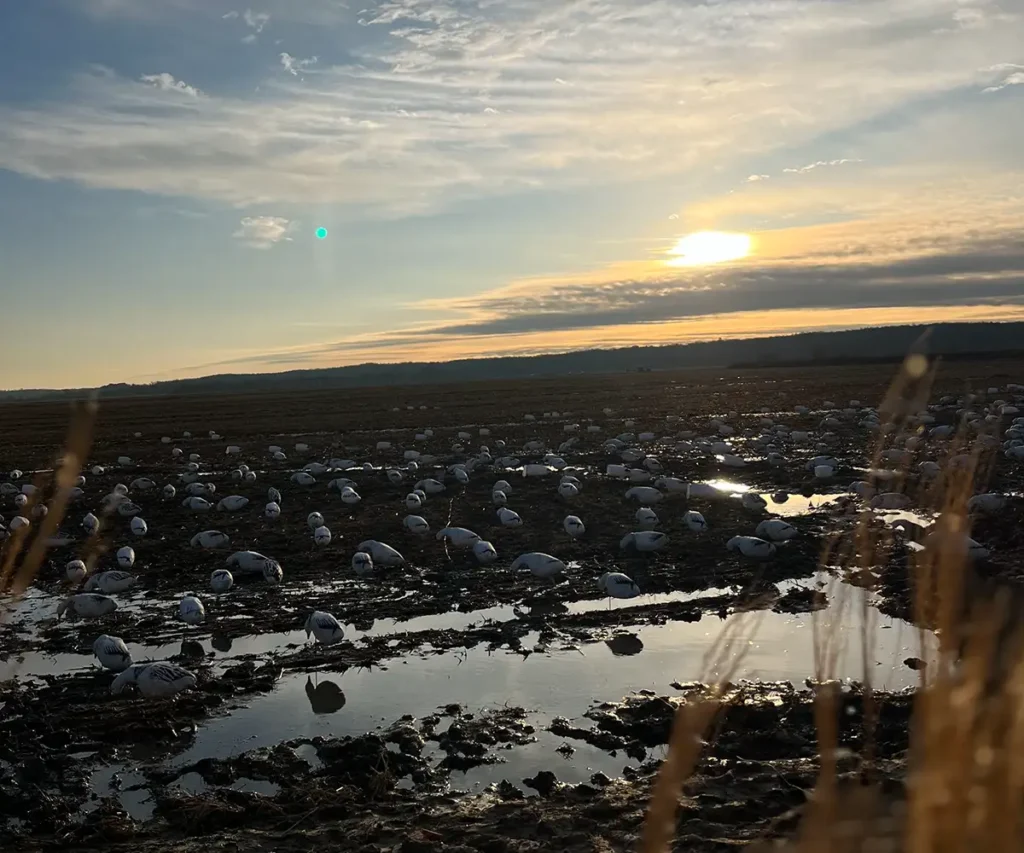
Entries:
{"x":880,"y":359}
{"x":965,"y":340}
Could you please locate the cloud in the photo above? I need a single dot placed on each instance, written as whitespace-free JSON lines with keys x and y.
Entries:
{"x":822,"y":163}
{"x":255,"y":20}
{"x":1014,"y":79}
{"x":400,"y":128}
{"x":755,"y":178}
{"x":293,"y":66}
{"x":167,"y":83}
{"x":262,"y":232}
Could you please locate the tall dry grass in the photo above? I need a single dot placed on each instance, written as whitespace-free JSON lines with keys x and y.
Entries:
{"x":964,"y":783}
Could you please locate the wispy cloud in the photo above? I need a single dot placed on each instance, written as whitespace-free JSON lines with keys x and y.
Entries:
{"x":262,"y":232}
{"x":799,"y":170}
{"x":167,"y":83}
{"x":293,"y":65}
{"x":658,"y":88}
{"x":1014,"y":79}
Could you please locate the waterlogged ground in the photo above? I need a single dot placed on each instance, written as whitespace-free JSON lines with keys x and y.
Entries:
{"x":468,"y":704}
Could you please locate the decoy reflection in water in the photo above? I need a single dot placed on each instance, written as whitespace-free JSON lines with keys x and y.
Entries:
{"x":192,"y":649}
{"x":325,"y":697}
{"x":623,"y":645}
{"x":221,"y":642}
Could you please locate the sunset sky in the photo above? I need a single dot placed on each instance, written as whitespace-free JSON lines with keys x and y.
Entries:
{"x":495,"y":176}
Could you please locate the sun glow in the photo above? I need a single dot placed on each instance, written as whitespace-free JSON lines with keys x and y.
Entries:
{"x":709,"y":247}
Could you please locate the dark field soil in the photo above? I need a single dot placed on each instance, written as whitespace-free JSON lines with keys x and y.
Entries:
{"x":389,"y":788}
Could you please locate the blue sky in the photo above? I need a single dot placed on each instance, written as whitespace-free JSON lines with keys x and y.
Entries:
{"x":496,"y":177}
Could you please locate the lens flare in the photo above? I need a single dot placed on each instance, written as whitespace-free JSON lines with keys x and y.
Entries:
{"x":709,"y":247}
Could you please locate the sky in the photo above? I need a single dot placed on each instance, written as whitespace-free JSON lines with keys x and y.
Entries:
{"x":494,"y":177}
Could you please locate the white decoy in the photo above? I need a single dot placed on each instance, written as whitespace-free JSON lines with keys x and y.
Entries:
{"x":75,"y":571}
{"x":362,"y":563}
{"x":200,"y":489}
{"x":753,"y":501}
{"x":273,"y":574}
{"x":112,"y":653}
{"x":574,"y":526}
{"x":325,"y":629}
{"x":191,"y":610}
{"x":647,"y":518}
{"x":863,"y":489}
{"x":499,"y":498}
{"x":303,"y":478}
{"x":775,"y":530}
{"x":461,"y":475}
{"x":110,"y":583}
{"x":272,"y":511}
{"x":671,"y":484}
{"x":484,"y":552}
{"x":644,"y":494}
{"x":458,"y":537}
{"x":127,"y":509}
{"x":508,"y":517}
{"x":314,"y":520}
{"x":431,"y":486}
{"x":751,"y":547}
{"x":413,"y":501}
{"x":568,"y":489}
{"x":232,"y":503}
{"x":618,"y":585}
{"x":350,"y":496}
{"x":416,"y":524}
{"x":250,"y":562}
{"x":91,"y":523}
{"x":273,"y":495}
{"x":988,"y":502}
{"x":126,"y":557}
{"x":87,"y":604}
{"x":502,"y":486}
{"x":395,"y":476}
{"x":644,"y":540}
{"x":382,"y":553}
{"x":20,"y":501}
{"x":322,"y":535}
{"x":139,"y":527}
{"x":197,"y":504}
{"x":540,"y":564}
{"x":695,"y":521}
{"x":155,"y":680}
{"x":221,"y":580}
{"x":18,"y":522}
{"x":210,"y":539}
{"x":929,"y":470}
{"x":890,"y":500}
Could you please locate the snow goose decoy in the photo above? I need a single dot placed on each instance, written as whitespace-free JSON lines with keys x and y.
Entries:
{"x":314,"y":520}
{"x":139,"y":526}
{"x":416,"y":524}
{"x":155,"y":680}
{"x":362,"y":563}
{"x":574,"y":526}
{"x":221,"y":580}
{"x":540,"y":564}
{"x":509,"y":517}
{"x":484,"y":552}
{"x":110,"y":583}
{"x":272,"y":511}
{"x":112,"y":653}
{"x":644,"y":494}
{"x":381,"y":553}
{"x":326,"y":630}
{"x":458,"y":537}
{"x":191,"y":610}
{"x":322,"y":535}
{"x":232,"y":503}
{"x":618,"y":585}
{"x":126,"y":557}
{"x":644,"y":541}
{"x":751,"y":547}
{"x":210,"y":539}
{"x":695,"y":521}
{"x":775,"y":530}
{"x":75,"y":571}
{"x":647,"y":518}
{"x":88,"y":605}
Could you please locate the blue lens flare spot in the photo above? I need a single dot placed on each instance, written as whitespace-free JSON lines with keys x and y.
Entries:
{"x":321,"y":233}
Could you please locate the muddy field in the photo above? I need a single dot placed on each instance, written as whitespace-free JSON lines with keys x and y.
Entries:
{"x":473,"y":706}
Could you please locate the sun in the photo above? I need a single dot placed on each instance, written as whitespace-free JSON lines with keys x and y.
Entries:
{"x":709,"y":247}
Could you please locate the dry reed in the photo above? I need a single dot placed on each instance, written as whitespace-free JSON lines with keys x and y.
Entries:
{"x":964,"y":783}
